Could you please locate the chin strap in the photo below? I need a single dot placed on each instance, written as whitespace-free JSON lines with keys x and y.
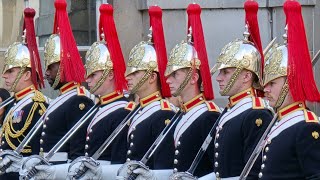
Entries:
{"x":101,"y":80}
{"x":283,"y":94}
{"x":144,"y":78}
{"x":184,"y":83}
{"x":231,"y":82}
{"x":15,"y":83}
{"x":57,"y":79}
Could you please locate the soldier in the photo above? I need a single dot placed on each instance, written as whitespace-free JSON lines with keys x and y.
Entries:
{"x":23,"y":76}
{"x":246,"y":116}
{"x":64,"y":72}
{"x":188,"y":70}
{"x":145,"y":76}
{"x":291,"y":148}
{"x":105,"y":68}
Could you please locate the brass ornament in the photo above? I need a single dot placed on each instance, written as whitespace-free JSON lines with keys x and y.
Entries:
{"x":167,"y":121}
{"x":82,"y":106}
{"x":258,"y":122}
{"x":315,"y":134}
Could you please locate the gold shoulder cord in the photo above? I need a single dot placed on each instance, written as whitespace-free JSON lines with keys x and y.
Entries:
{"x":8,"y":129}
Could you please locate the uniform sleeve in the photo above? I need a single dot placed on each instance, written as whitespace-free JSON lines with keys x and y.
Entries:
{"x":78,"y":108}
{"x":308,"y":149}
{"x":255,"y":124}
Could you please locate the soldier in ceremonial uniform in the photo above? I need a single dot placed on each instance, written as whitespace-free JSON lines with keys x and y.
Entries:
{"x":64,"y":72}
{"x":246,"y":116}
{"x":188,"y":70}
{"x":105,"y":68}
{"x":145,"y":76}
{"x":23,"y":75}
{"x":291,"y":148}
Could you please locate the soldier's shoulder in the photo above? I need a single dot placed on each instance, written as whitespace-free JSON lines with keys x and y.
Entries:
{"x":310,"y":117}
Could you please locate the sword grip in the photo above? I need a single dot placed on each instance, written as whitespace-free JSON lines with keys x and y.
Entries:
{"x":33,"y":171}
{"x":80,"y":172}
{"x":5,"y":167}
{"x":132,"y":176}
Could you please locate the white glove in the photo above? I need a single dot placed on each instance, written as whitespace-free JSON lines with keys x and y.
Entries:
{"x":94,"y":171}
{"x":51,"y":172}
{"x":15,"y":161}
{"x":144,"y":174}
{"x":28,"y":164}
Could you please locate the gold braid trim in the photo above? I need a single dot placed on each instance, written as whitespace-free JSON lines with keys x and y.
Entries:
{"x":101,"y":80}
{"x":38,"y":99}
{"x":142,"y":81}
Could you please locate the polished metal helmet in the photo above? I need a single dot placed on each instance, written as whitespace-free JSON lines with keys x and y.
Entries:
{"x":142,"y":57}
{"x":276,"y":64}
{"x":241,"y":54}
{"x":17,"y":55}
{"x":98,"y":58}
{"x":52,"y":50}
{"x":183,"y":55}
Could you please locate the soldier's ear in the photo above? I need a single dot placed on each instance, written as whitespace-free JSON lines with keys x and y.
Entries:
{"x":195,"y":77}
{"x":110,"y":75}
{"x":27,"y":75}
{"x":247,"y":76}
{"x":153,"y":77}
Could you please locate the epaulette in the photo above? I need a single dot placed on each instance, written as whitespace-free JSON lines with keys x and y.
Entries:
{"x":258,"y":103}
{"x":38,"y":97}
{"x":212,"y":106}
{"x":130,"y":106}
{"x":81,"y":91}
{"x":165,"y":105}
{"x":311,"y":116}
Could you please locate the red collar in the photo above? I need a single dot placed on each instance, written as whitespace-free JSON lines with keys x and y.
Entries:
{"x":233,"y":100}
{"x":69,"y":86}
{"x":110,"y":97}
{"x":291,"y":108}
{"x":199,"y":99}
{"x":151,"y":98}
{"x":23,"y":93}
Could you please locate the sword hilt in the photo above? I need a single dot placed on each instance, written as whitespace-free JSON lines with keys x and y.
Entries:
{"x":5,"y":167}
{"x":133,"y":176}
{"x":80,"y":172}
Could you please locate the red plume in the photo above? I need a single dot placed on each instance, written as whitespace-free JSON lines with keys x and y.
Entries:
{"x":194,"y":20}
{"x":251,"y":7}
{"x":36,"y":69}
{"x":107,"y":25}
{"x":71,"y":66}
{"x":155,"y":14}
{"x":300,"y":75}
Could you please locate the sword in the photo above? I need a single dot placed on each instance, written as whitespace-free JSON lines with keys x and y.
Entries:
{"x":316,"y":58}
{"x":6,"y":102}
{"x":108,"y":141}
{"x":174,"y":120}
{"x":257,"y":150}
{"x":61,"y":142}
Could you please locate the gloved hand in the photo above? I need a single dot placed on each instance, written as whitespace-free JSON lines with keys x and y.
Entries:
{"x":51,"y":171}
{"x":28,"y":165}
{"x":144,"y":174}
{"x":9,"y":157}
{"x":135,"y":167}
{"x":94,"y":170}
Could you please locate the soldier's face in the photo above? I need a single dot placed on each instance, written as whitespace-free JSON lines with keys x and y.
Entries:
{"x":105,"y":87}
{"x":134,"y":78}
{"x":51,"y":72}
{"x":175,"y":79}
{"x":10,"y":76}
{"x":272,"y":90}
